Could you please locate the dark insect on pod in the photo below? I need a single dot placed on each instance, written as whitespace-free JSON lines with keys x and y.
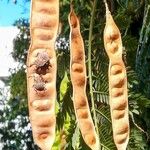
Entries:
{"x":42,"y":59}
{"x":39,"y":84}
{"x":42,"y":62}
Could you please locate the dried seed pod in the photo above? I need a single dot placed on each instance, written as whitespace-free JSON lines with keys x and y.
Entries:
{"x":41,"y":73}
{"x":78,"y":78}
{"x":117,"y":83}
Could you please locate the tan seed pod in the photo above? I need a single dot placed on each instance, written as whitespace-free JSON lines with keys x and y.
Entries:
{"x":78,"y":79}
{"x":117,"y":83}
{"x":41,"y":71}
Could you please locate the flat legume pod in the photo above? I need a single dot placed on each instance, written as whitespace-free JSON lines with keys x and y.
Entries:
{"x":78,"y":78}
{"x":41,"y":71}
{"x":117,"y":83}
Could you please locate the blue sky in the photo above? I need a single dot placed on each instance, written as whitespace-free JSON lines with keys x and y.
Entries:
{"x":9,"y":12}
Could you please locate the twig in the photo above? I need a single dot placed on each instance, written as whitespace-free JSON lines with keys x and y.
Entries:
{"x":139,"y":126}
{"x":103,"y":115}
{"x":147,"y":8}
{"x":90,"y":66}
{"x":105,"y":147}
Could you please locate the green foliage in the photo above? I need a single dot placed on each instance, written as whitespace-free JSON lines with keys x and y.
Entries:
{"x":18,"y":85}
{"x":63,"y":86}
{"x":137,"y":143}
{"x":15,"y":129}
{"x":76,"y":139}
{"x":21,"y":42}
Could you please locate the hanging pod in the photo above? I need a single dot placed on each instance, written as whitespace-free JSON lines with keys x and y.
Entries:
{"x":41,"y":71}
{"x":118,"y":96}
{"x":78,"y":79}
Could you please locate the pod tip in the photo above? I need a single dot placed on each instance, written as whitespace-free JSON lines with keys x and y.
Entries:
{"x":107,"y":8}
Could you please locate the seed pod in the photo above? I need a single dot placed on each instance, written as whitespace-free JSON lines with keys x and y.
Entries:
{"x":117,"y":83}
{"x":78,"y":79}
{"x":41,"y":73}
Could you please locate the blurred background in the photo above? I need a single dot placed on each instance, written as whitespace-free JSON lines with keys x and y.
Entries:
{"x":133,"y":19}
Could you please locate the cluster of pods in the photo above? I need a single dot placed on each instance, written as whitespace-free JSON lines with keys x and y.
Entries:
{"x":41,"y":77}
